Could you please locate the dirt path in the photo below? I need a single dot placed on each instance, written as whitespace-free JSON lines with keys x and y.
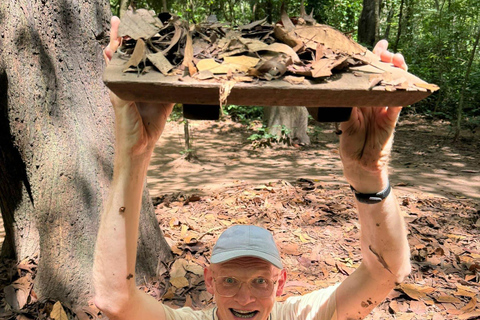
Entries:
{"x":424,"y":160}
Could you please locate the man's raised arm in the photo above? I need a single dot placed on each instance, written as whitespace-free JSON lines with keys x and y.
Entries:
{"x":137,"y":128}
{"x":365,"y":146}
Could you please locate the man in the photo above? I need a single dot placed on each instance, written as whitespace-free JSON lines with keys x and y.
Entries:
{"x":246,"y":274}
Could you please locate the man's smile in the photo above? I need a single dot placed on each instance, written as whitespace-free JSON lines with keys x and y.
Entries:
{"x":243,"y":314}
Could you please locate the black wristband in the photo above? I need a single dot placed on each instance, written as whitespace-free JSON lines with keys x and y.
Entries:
{"x":372,"y":198}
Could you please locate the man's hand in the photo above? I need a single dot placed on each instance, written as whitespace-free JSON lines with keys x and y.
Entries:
{"x":138,"y":124}
{"x":367,"y":137}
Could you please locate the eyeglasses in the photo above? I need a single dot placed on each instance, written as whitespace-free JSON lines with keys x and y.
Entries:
{"x":259,"y":287}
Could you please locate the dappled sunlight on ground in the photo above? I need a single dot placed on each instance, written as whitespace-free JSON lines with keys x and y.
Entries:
{"x":424,"y":159}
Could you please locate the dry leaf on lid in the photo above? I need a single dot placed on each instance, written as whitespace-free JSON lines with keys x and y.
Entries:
{"x":138,"y":55}
{"x":176,"y":37}
{"x":139,"y":24}
{"x":207,"y":64}
{"x":160,"y":62}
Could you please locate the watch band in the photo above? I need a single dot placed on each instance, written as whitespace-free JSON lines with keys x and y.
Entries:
{"x":372,"y":198}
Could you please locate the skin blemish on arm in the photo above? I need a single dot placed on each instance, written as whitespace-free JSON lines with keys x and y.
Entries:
{"x":121,"y":210}
{"x":130,"y":276}
{"x":380,"y":259}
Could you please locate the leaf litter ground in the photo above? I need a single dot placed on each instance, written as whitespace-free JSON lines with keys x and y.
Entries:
{"x":311,"y":213}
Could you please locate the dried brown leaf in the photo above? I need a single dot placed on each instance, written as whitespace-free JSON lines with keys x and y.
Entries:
{"x":225,"y":89}
{"x":178,"y":268}
{"x":330,"y":38}
{"x":471,"y":305}
{"x":204,"y":75}
{"x":291,"y":249}
{"x":243,"y":78}
{"x":252,"y":25}
{"x":418,"y":307}
{"x":255,"y":45}
{"x":139,"y":24}
{"x":207,"y":64}
{"x":470,"y":315}
{"x":176,"y":37}
{"x":194,"y":268}
{"x":428,"y":86}
{"x":160,"y":62}
{"x":289,"y":38}
{"x":138,"y":55}
{"x":323,"y":67}
{"x":294,"y":80}
{"x":246,"y":61}
{"x":58,"y":313}
{"x":179,"y":282}
{"x":448,"y":299}
{"x":417,"y":292}
{"x":287,"y":23}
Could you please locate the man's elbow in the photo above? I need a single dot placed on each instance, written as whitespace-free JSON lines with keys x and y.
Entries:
{"x":403,"y":272}
{"x":113,"y":307}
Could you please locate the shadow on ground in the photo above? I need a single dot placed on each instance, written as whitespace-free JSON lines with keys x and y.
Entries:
{"x":424,"y":160}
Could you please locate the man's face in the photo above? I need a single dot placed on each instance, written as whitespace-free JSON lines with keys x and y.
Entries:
{"x":244,"y":304}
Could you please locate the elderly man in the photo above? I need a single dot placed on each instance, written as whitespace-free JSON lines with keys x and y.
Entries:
{"x":246,"y":273}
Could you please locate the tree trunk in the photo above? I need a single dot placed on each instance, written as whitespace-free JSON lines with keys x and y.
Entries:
{"x":368,"y":24}
{"x":294,"y":118}
{"x":465,"y":83}
{"x":269,"y":10}
{"x":399,"y":29}
{"x":123,"y":7}
{"x":386,"y":35}
{"x":56,"y":144}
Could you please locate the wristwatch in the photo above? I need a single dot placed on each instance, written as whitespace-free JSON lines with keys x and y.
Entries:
{"x":372,"y":198}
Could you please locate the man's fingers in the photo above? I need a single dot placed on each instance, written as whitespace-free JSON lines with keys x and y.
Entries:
{"x":386,"y":56}
{"x":399,"y":61}
{"x":381,"y":46}
{"x":393,"y":113}
{"x":114,"y":39}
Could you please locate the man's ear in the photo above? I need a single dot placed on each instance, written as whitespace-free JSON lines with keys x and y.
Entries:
{"x":282,"y":279}
{"x":208,"y":276}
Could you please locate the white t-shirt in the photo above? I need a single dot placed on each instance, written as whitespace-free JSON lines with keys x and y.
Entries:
{"x":317,"y":305}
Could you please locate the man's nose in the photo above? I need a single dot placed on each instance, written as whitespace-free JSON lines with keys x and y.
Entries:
{"x":244,"y":296}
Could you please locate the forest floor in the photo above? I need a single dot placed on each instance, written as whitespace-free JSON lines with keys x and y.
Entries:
{"x":299,"y":194}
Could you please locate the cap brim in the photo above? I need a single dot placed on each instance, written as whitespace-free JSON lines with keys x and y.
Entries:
{"x":226,"y":256}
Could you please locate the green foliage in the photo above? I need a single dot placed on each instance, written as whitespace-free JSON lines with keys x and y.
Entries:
{"x":340,"y":14}
{"x":177,"y":113}
{"x":437,"y":40}
{"x":263,"y":137}
{"x":243,"y":114}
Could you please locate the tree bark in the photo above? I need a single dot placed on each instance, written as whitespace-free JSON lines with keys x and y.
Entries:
{"x":368,"y":24}
{"x":294,"y":118}
{"x":56,"y":144}
{"x":399,"y":29}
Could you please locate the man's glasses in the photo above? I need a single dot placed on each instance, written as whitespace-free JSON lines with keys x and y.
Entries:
{"x":259,"y":287}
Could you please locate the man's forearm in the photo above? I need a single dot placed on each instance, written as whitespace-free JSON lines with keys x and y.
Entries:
{"x":383,"y":239}
{"x":116,"y":247}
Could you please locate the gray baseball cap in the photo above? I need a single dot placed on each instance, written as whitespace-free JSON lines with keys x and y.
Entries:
{"x":246,"y":241}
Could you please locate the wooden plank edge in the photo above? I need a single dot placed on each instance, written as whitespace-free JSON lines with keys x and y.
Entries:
{"x":208,"y":94}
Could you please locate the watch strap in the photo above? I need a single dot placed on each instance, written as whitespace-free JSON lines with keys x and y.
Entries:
{"x":372,"y":198}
